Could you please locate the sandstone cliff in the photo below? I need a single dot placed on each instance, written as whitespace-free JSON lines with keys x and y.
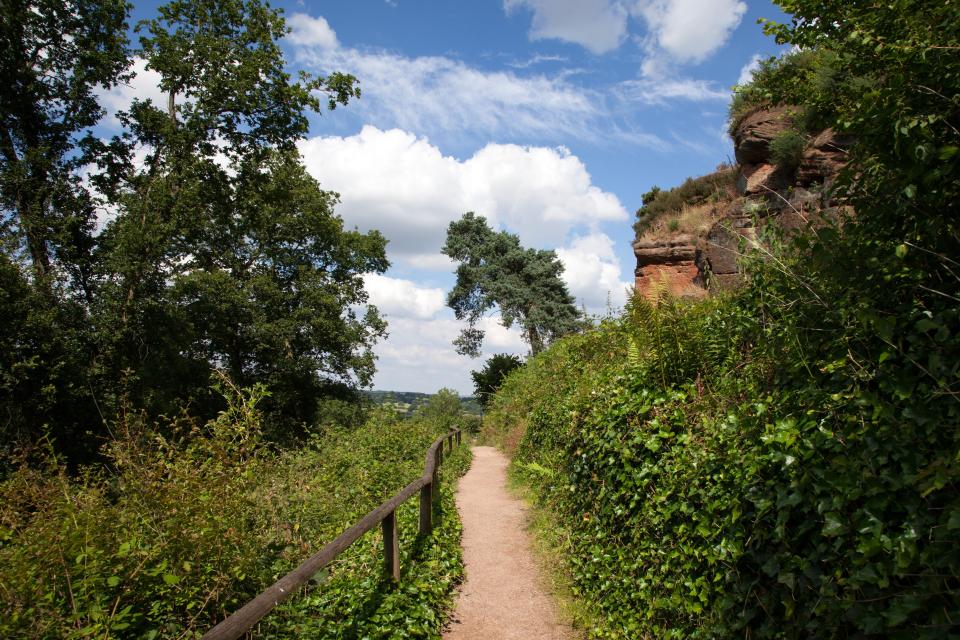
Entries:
{"x":770,"y":189}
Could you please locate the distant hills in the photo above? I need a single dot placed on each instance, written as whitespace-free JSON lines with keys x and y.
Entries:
{"x":406,"y":402}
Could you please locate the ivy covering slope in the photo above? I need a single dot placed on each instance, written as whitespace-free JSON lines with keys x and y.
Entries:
{"x":186,"y":529}
{"x":783,"y":462}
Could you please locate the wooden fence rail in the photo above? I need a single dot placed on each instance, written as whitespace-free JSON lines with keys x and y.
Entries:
{"x":242,"y":620}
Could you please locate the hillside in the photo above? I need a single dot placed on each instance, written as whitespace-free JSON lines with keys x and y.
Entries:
{"x":781,"y":458}
{"x":406,"y":403}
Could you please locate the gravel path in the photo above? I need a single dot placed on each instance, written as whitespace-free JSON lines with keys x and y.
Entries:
{"x":502,"y":598}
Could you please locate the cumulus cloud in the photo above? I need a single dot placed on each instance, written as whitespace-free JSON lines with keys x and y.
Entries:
{"x":308,"y":31}
{"x":690,"y":30}
{"x":598,"y":25}
{"x":396,"y":297}
{"x":746,"y":73}
{"x":592,"y":272}
{"x":404,"y":186}
{"x":419,"y":354}
{"x":144,"y":85}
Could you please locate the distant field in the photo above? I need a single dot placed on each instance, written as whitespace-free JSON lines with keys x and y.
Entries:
{"x":407,"y":402}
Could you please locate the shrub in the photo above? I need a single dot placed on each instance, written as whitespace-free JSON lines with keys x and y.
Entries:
{"x":186,"y":528}
{"x":786,"y":149}
{"x":659,"y":204}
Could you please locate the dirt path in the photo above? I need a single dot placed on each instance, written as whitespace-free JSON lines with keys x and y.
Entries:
{"x":502,"y":598}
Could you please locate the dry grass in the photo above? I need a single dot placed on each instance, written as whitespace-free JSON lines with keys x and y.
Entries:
{"x":692,"y":219}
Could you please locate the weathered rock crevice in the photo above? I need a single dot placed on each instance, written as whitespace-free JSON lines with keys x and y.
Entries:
{"x":688,"y":265}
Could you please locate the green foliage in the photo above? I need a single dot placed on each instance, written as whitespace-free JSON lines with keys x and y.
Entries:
{"x":57,"y":54}
{"x":790,"y":79}
{"x":186,"y":529}
{"x":496,"y":271}
{"x":659,"y":204}
{"x":488,"y":380}
{"x":786,"y":149}
{"x":443,"y":408}
{"x":783,"y":463}
{"x":222,"y":251}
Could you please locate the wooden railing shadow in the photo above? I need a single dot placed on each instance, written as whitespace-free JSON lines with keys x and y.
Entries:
{"x":428,"y":485}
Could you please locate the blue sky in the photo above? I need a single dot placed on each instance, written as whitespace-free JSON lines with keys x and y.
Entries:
{"x":550,"y":117}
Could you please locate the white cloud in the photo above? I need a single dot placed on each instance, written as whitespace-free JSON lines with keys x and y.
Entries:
{"x":440,"y":95}
{"x":598,"y":25}
{"x":307,"y":31}
{"x":396,"y":297}
{"x":746,"y":73}
{"x":592,"y":272}
{"x":405,"y":187}
{"x":419,"y":354}
{"x":690,"y":30}
{"x":659,"y":90}
{"x":145,"y":85}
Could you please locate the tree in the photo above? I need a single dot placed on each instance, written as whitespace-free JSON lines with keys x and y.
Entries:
{"x":222,"y":253}
{"x":443,"y":408}
{"x":225,"y":253}
{"x":523,"y":284}
{"x":55,"y":55}
{"x":488,"y":380}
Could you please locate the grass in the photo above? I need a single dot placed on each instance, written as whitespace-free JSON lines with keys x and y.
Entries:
{"x":691,"y":219}
{"x":679,"y":208}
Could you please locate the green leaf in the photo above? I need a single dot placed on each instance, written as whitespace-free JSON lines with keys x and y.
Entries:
{"x":169,"y":578}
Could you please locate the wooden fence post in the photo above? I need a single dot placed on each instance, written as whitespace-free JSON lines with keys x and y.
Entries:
{"x":435,"y":482}
{"x":426,"y":509}
{"x":391,"y":546}
{"x":458,"y":436}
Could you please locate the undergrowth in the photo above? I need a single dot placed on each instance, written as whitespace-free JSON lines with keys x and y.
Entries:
{"x":182,"y":530}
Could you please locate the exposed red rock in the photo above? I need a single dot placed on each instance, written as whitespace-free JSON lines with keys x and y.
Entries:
{"x":683,"y":265}
{"x":721,"y":247}
{"x":823,"y":158}
{"x":667,"y":265}
{"x":751,"y":140}
{"x":760,"y":179}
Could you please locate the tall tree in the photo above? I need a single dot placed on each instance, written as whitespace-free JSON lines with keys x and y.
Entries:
{"x":225,"y":253}
{"x":54,"y":57}
{"x":54,"y":54}
{"x":495,"y":271}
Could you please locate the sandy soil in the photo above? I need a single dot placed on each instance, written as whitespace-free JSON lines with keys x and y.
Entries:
{"x":502,"y":598}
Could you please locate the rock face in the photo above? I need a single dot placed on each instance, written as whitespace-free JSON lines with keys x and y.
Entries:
{"x":823,"y":158}
{"x":760,"y":179}
{"x":751,"y":140}
{"x":667,"y":265}
{"x":720,"y":248}
{"x":686,"y":266}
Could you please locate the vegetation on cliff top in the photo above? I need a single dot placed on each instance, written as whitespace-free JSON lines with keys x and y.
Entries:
{"x":682,"y":208}
{"x":783,"y":462}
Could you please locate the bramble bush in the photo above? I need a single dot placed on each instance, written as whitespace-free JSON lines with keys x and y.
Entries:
{"x":183,"y":529}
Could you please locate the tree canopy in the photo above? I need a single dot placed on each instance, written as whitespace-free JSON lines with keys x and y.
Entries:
{"x":496,"y":271}
{"x":217,"y":251}
{"x":487,"y":380}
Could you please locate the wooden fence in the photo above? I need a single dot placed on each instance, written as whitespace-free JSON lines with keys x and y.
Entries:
{"x":241,"y":621}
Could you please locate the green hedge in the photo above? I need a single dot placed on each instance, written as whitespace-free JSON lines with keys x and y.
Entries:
{"x":708,"y":489}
